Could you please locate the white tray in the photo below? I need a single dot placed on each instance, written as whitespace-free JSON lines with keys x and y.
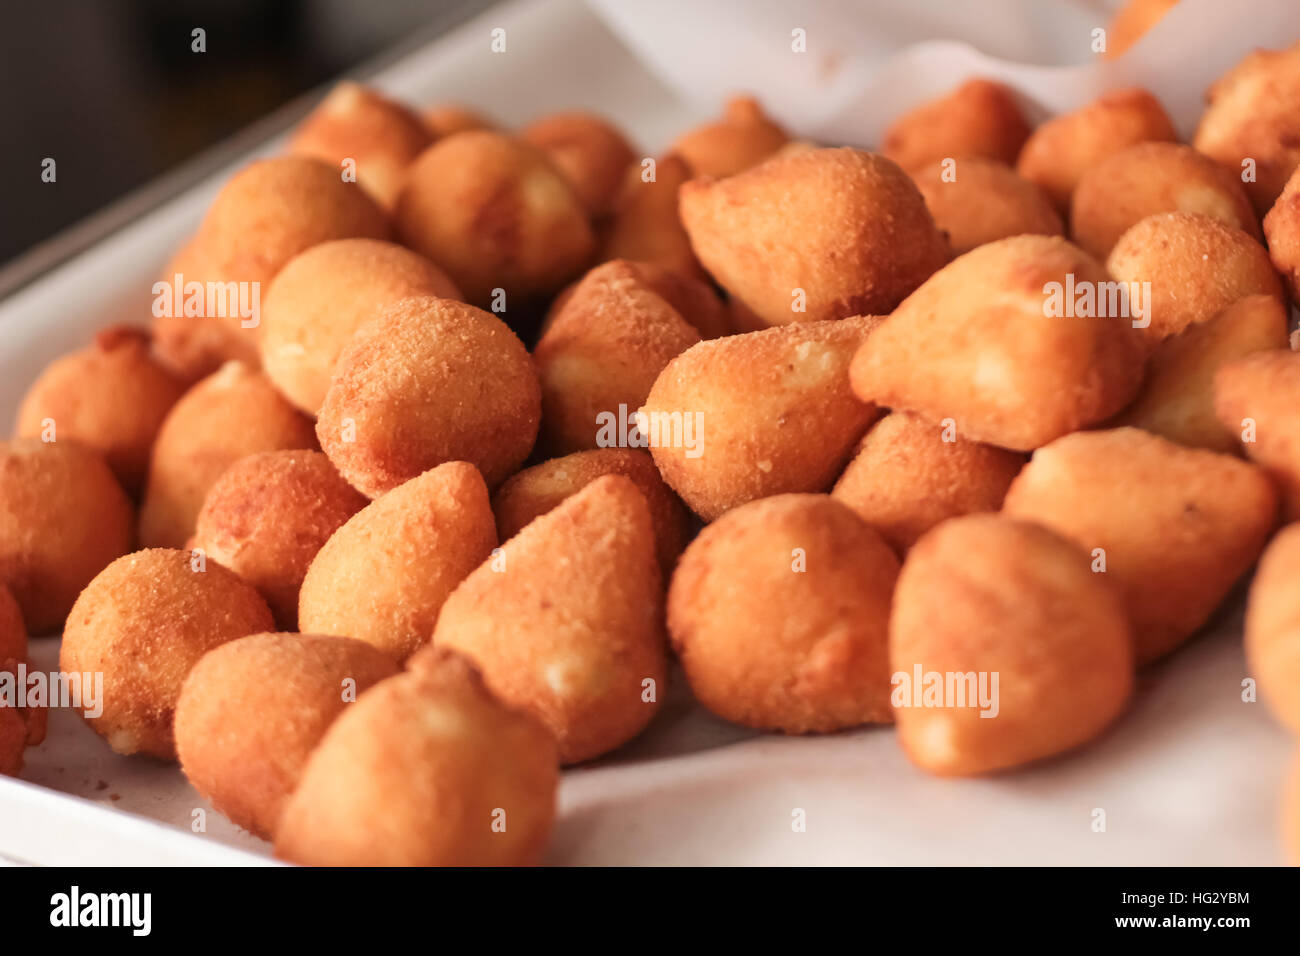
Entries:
{"x":1190,"y":775}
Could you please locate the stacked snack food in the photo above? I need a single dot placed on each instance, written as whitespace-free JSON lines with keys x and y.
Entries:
{"x":995,"y":404}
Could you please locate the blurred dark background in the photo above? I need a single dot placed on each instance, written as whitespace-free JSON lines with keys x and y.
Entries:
{"x":112,"y":90}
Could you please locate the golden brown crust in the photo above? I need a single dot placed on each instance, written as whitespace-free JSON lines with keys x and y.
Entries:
{"x":380,"y":136}
{"x":495,"y":214}
{"x":812,"y":655}
{"x":1257,"y":399}
{"x":19,"y":727}
{"x":444,"y":119}
{"x":867,"y":239}
{"x":566,"y":622}
{"x":143,"y":622}
{"x":1273,"y":627}
{"x":192,"y":347}
{"x":1152,"y":178}
{"x":384,"y":575}
{"x":267,"y":516}
{"x":110,"y":396}
{"x":1196,"y":265}
{"x":1282,"y":230}
{"x":976,"y":346}
{"x":266,"y":214}
{"x":426,"y":769}
{"x":589,"y":150}
{"x":1177,"y":396}
{"x":63,"y":518}
{"x":320,"y":299}
{"x":251,"y":712}
{"x":430,"y":381}
{"x":645,"y":225}
{"x":13,"y":633}
{"x":1061,"y":150}
{"x":908,"y":476}
{"x":232,"y":413}
{"x":978,"y":118}
{"x":694,"y":299}
{"x":601,"y":353}
{"x":743,"y":137}
{"x":984,"y":595}
{"x":1253,"y":113}
{"x":537,"y":490}
{"x":747,"y":416}
{"x":1178,"y":526}
{"x":979,"y":200}
{"x":273,"y":209}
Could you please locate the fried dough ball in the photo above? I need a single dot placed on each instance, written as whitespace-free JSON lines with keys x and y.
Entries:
{"x":251,"y":712}
{"x":1253,"y":113}
{"x":1282,"y":229}
{"x":429,"y":381}
{"x":267,"y":213}
{"x":986,"y":597}
{"x":1152,"y":178}
{"x":194,"y":346}
{"x":268,"y":515}
{"x":426,"y":769}
{"x":1058,"y":153}
{"x":978,"y":118}
{"x":444,"y":119}
{"x":232,"y":413}
{"x":980,"y":200}
{"x":143,"y":622}
{"x":13,"y":633}
{"x":13,"y":741}
{"x":589,"y":150}
{"x":694,"y":300}
{"x":537,"y":490}
{"x":1257,"y":399}
{"x":1196,"y":265}
{"x":63,"y":518}
{"x":566,"y":621}
{"x":494,"y":213}
{"x":1131,"y":22}
{"x":1273,"y":627}
{"x":811,"y":654}
{"x":1173,"y":527}
{"x":602,"y":351}
{"x":323,"y":296}
{"x":273,"y":209}
{"x":379,"y":136}
{"x":980,"y":344}
{"x":909,"y":476}
{"x":384,"y":575}
{"x":743,"y":137}
{"x":864,"y":238}
{"x":1177,"y":396}
{"x":19,"y":727}
{"x":748,"y":416}
{"x":111,"y":396}
{"x":645,"y":225}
